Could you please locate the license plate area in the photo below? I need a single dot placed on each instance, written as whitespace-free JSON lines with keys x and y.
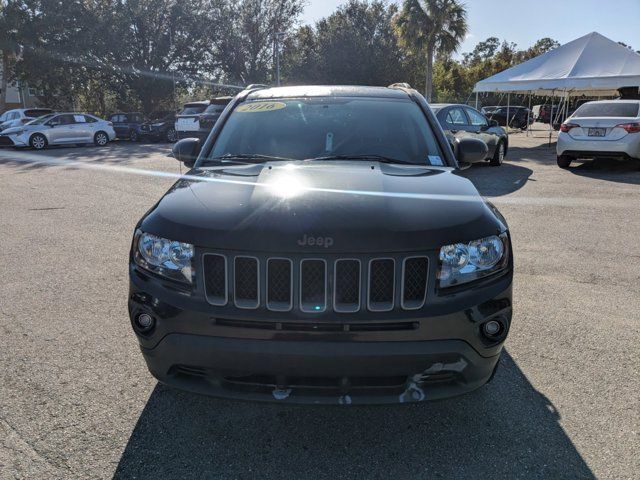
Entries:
{"x":597,"y":132}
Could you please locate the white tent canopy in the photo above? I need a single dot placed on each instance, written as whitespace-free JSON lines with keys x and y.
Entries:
{"x":592,"y":64}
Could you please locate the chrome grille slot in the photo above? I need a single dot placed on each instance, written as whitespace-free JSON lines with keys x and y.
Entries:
{"x":346,"y":286}
{"x":313,"y":285}
{"x":381,"y":284}
{"x":246,"y":282}
{"x":215,"y":279}
{"x":414,"y":282}
{"x":279,"y":284}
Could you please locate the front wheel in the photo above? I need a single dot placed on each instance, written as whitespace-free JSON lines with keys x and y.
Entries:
{"x":172,"y":135}
{"x":498,"y":156}
{"x":38,"y":141}
{"x":564,"y":161}
{"x":100,"y":139}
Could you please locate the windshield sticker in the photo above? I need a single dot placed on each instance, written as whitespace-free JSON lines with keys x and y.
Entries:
{"x":435,"y":160}
{"x":256,"y":107}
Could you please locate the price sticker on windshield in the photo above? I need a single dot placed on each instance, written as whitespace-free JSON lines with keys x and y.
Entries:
{"x":258,"y":107}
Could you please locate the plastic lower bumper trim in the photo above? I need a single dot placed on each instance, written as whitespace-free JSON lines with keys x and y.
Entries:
{"x":319,"y":372}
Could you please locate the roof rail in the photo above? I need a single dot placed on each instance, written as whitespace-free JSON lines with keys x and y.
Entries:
{"x":399,"y":85}
{"x":256,"y":86}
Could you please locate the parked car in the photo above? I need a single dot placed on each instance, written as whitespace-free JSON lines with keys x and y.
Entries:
{"x":323,"y":249}
{"x":20,"y":116}
{"x":198,"y":118}
{"x":519,"y":117}
{"x":160,"y":128}
{"x":127,"y":125}
{"x":59,"y":129}
{"x":606,"y":128}
{"x":543,"y":114}
{"x":462,"y":121}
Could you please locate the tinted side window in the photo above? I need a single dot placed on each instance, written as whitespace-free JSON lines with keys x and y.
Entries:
{"x":89,"y":119}
{"x":477,"y":119}
{"x":66,"y":120}
{"x":457,"y":117}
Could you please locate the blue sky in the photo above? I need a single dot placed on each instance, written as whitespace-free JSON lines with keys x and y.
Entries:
{"x":525,"y":21}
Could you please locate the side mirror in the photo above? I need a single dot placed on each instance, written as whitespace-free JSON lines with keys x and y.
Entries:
{"x":186,"y":151}
{"x":493,"y":123}
{"x":470,"y":150}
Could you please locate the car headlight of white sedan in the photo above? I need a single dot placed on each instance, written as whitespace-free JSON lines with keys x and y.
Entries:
{"x":465,"y":262}
{"x":164,"y":257}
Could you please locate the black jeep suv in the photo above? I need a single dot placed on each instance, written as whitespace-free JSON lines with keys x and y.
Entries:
{"x":323,"y":248}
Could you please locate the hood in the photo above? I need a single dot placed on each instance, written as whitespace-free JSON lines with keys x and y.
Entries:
{"x":359,"y":206}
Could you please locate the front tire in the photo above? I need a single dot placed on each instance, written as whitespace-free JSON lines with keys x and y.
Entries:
{"x":38,"y":141}
{"x":100,"y":139}
{"x":172,"y":135}
{"x":564,"y":161}
{"x":498,"y":156}
{"x":133,"y":136}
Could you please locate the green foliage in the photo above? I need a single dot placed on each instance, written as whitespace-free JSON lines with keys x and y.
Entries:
{"x":431,"y":27}
{"x":355,"y":45}
{"x":106,"y":55}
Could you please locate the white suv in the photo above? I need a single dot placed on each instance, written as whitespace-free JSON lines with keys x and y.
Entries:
{"x":20,"y":116}
{"x":606,"y":128}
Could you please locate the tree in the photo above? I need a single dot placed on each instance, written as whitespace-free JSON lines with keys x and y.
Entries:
{"x":354,"y":45}
{"x":431,"y":27}
{"x":243,"y":48}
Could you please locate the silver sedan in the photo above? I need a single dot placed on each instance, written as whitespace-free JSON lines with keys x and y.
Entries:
{"x":60,"y":129}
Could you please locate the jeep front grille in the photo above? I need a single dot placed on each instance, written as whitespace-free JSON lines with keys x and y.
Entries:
{"x":315,"y":285}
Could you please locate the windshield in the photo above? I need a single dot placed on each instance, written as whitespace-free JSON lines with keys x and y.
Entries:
{"x":41,"y":120}
{"x":608,"y":109}
{"x":329,"y":127}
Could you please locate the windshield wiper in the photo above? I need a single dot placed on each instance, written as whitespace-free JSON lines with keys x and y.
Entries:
{"x":248,"y":158}
{"x":365,"y":157}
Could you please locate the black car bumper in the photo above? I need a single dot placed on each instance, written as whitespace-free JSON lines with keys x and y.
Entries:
{"x":402,"y":359}
{"x":5,"y":141}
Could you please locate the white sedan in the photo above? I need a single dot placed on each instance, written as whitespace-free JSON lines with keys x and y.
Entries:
{"x":59,"y":129}
{"x":606,"y":128}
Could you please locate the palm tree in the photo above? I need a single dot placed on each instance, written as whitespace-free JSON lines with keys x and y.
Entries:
{"x":430,"y":27}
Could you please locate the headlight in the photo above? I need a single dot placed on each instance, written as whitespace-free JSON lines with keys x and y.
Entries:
{"x":16,"y":132}
{"x":157,"y":125}
{"x":164,"y":257}
{"x":465,"y":262}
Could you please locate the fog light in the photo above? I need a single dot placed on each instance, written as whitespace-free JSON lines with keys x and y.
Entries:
{"x":144,"y":322}
{"x":492,"y":328}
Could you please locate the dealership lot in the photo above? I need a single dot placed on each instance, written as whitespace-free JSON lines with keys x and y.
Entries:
{"x":76,"y":400}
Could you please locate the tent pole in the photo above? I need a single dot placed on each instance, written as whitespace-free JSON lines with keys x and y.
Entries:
{"x":529,"y":115}
{"x":553,"y":94}
{"x":476,"y":100}
{"x":508,"y":102}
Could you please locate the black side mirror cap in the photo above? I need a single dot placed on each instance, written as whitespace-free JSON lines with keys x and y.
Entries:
{"x":470,"y":150}
{"x":187,"y":151}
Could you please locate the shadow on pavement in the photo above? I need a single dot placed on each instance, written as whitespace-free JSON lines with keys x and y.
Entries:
{"x":504,"y":430}
{"x":611,"y":170}
{"x":113,"y":154}
{"x":495,"y":181}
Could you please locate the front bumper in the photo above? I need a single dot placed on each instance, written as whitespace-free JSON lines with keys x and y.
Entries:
{"x":413,"y":356}
{"x":13,"y":141}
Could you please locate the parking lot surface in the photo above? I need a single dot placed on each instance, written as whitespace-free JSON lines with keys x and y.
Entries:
{"x":76,"y":400}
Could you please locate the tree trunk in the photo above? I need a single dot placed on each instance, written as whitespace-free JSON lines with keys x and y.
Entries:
{"x":3,"y":84}
{"x":428,"y":89}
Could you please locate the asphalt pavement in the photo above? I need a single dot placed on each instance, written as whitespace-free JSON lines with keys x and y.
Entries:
{"x":76,"y":400}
